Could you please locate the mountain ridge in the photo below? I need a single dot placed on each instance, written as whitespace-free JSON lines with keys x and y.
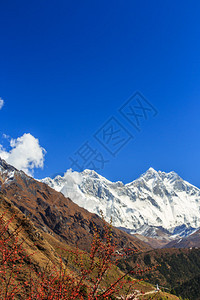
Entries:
{"x":52,"y":212}
{"x":156,"y":201}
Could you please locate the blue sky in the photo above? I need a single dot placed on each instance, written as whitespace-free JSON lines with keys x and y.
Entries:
{"x":68,"y":66}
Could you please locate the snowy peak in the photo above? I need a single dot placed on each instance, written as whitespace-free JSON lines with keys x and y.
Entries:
{"x":156,"y":201}
{"x":7,"y":172}
{"x":157,"y":204}
{"x":4,"y":167}
{"x":150,"y":172}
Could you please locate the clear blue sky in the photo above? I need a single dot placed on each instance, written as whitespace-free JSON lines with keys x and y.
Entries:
{"x":66,"y":67}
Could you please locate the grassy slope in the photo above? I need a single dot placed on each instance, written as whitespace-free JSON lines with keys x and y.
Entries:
{"x":159,"y":296}
{"x":46,"y":249}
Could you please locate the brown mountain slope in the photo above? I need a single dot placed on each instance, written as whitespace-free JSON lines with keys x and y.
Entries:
{"x":153,"y":242}
{"x":51,"y":212}
{"x":30,"y":238}
{"x":45,"y":250}
{"x":188,"y":242}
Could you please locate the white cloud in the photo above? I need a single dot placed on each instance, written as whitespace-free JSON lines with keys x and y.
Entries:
{"x":5,"y":136}
{"x":74,"y":176}
{"x":71,"y":188}
{"x":25,"y":154}
{"x":1,"y":103}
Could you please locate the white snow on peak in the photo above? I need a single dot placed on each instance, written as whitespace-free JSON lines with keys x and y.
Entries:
{"x":7,"y":174}
{"x":154,"y":201}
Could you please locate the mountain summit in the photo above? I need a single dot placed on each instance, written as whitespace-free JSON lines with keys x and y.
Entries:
{"x":157,"y":204}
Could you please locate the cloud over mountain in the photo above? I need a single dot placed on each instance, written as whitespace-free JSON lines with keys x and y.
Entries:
{"x":25,"y":154}
{"x":1,"y":103}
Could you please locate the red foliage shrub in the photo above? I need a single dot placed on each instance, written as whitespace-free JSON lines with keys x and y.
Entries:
{"x":57,"y":283}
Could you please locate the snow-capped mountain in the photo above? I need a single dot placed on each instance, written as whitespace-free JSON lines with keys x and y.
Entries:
{"x":156,"y":204}
{"x":6,"y":172}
